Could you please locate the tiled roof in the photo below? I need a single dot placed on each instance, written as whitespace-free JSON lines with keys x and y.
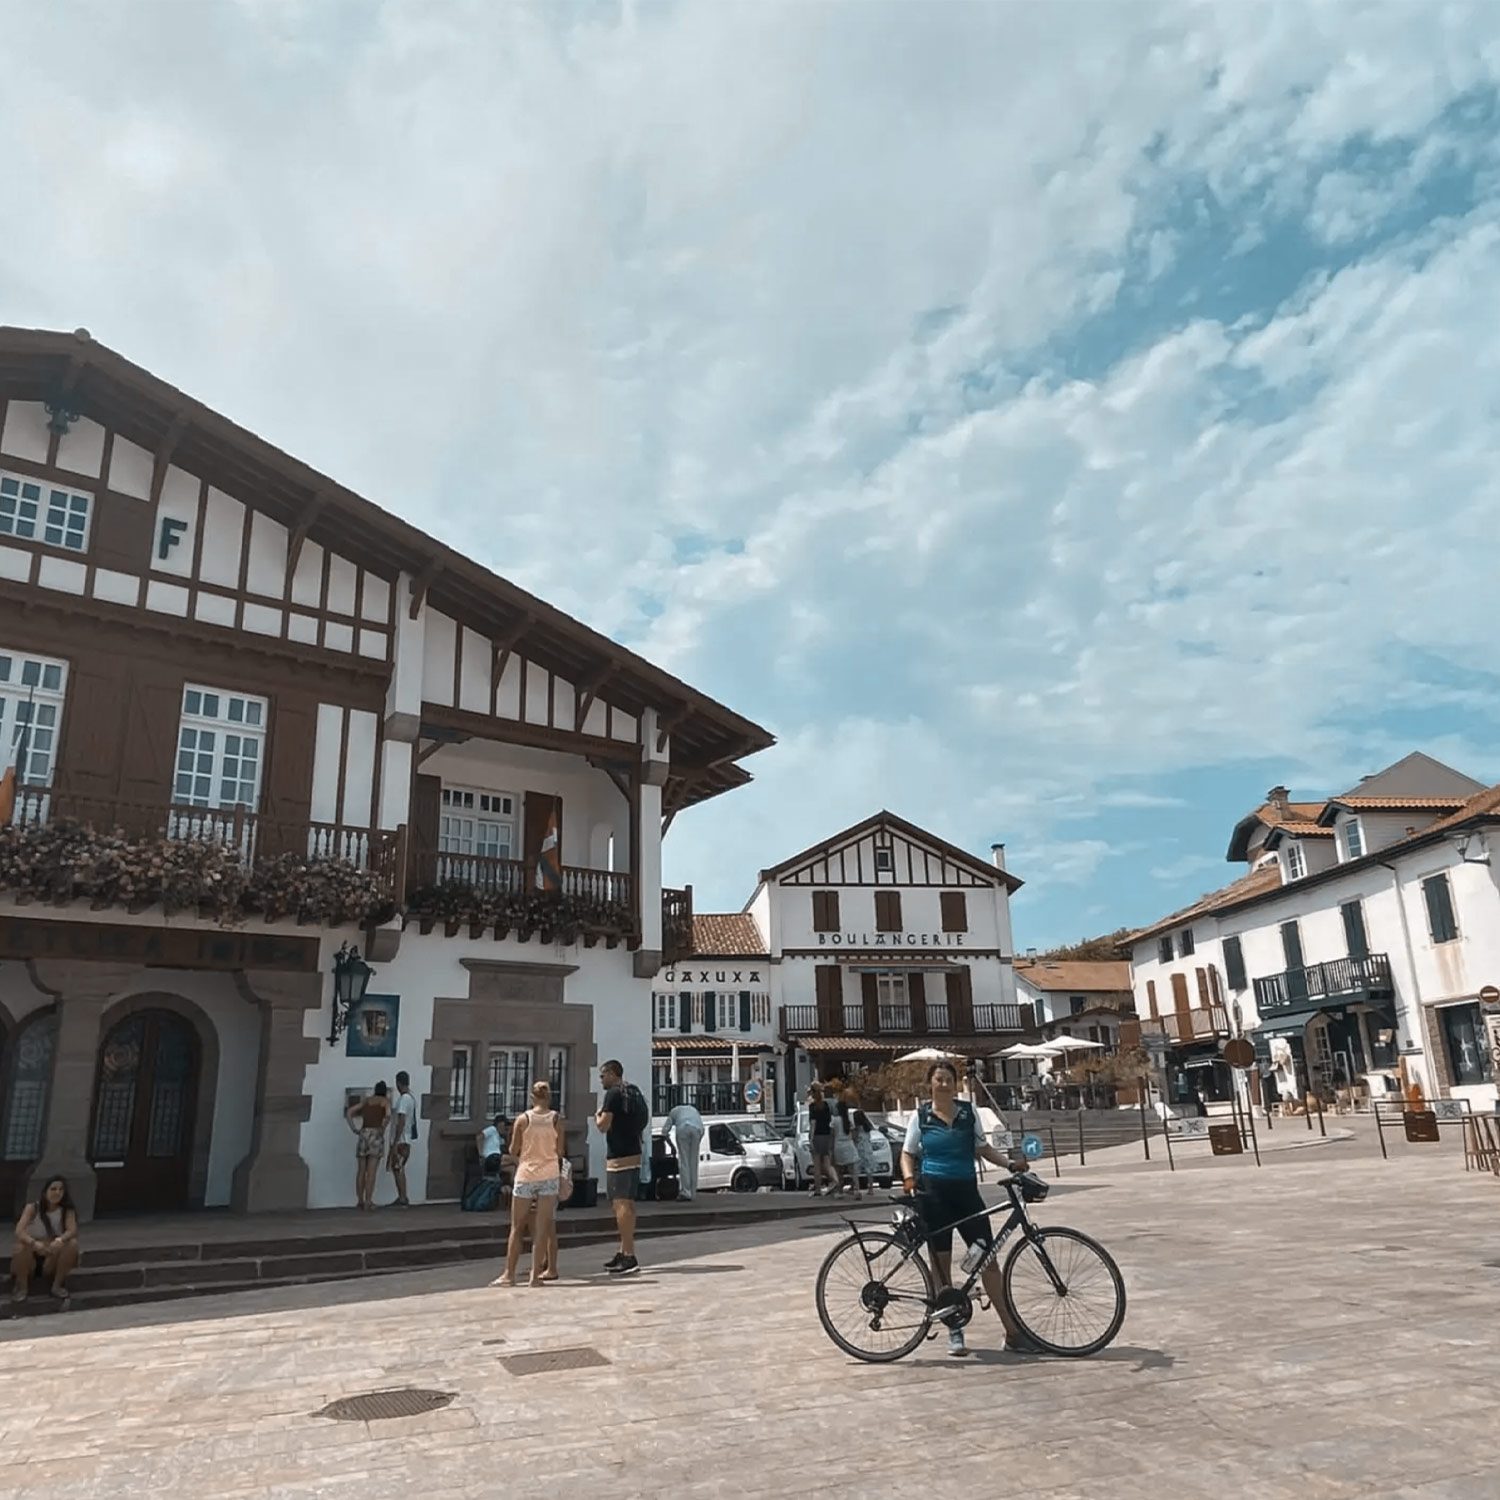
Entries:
{"x":1482,"y":804}
{"x":1076,"y":975}
{"x":1256,"y":883}
{"x":727,"y":934}
{"x":1400,"y":804}
{"x":1303,"y":830}
{"x":846,"y":1044}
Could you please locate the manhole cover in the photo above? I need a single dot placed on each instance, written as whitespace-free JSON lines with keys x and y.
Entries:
{"x":544,"y":1360}
{"x":377,"y":1406}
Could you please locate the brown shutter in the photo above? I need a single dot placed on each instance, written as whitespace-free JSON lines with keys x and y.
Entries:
{"x":888,"y":911}
{"x":423,"y":826}
{"x":1151,"y":998}
{"x":148,"y":748}
{"x":825,"y":911}
{"x":89,"y":756}
{"x":1213,"y":984}
{"x":955,"y":911}
{"x":869,"y":988}
{"x":1203,"y":996}
{"x":916,"y":989}
{"x":960,"y":1001}
{"x":828,"y":980}
{"x":286,"y":797}
{"x":1180,"y":1002}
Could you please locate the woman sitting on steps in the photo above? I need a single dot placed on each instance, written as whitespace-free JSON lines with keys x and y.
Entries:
{"x":46,"y":1242}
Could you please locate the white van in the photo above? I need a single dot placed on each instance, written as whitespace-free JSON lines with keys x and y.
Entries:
{"x":741,"y":1152}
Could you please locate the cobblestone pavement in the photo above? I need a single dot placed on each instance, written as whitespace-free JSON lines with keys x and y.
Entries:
{"x":1322,"y":1328}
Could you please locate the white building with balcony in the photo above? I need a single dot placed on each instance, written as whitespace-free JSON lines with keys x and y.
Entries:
{"x":1354,"y":948}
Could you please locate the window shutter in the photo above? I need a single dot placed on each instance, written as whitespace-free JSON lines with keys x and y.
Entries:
{"x":147,"y":751}
{"x":1203,"y":996}
{"x":960,"y":1000}
{"x":710,"y":1011}
{"x":1213,"y":985}
{"x":869,"y":987}
{"x":1440,"y":921}
{"x":286,"y":794}
{"x":888,"y":911}
{"x":1234,"y":963}
{"x":954,"y":907}
{"x":744,"y":1010}
{"x":825,"y":911}
{"x":89,"y":761}
{"x":424,"y":821}
{"x":685,"y":1020}
{"x":1180,"y":1001}
{"x":1151,"y":998}
{"x":1291,"y":945}
{"x":916,"y":994}
{"x":1355,"y":939}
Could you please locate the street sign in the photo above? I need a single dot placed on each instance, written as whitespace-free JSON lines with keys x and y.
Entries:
{"x":1489,"y":1000}
{"x":1225,"y":1140}
{"x":1239,"y":1053}
{"x":753,"y":1094}
{"x":1031,"y":1146}
{"x":1421,"y":1124}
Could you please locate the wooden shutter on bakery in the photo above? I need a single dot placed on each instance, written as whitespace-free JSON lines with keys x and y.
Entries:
{"x":89,"y":756}
{"x":888,"y":911}
{"x":960,"y":1001}
{"x":955,"y":910}
{"x":869,"y":987}
{"x":286,"y":797}
{"x":828,"y":980}
{"x":916,"y":989}
{"x":147,"y":750}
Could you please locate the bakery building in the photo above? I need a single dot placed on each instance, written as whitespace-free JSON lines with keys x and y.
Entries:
{"x":251,"y":722}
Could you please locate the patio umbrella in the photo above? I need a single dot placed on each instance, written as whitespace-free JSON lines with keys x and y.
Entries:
{"x":928,"y":1054}
{"x":1072,"y":1044}
{"x":1026,"y":1049}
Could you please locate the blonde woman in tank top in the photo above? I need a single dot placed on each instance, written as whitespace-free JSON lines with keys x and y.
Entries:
{"x":536,"y":1142}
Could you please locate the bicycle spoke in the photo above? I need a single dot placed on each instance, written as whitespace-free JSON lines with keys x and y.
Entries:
{"x":1087,"y":1314}
{"x":873,"y":1299}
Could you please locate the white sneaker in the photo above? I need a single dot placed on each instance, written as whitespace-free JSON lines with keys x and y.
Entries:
{"x":956,"y":1346}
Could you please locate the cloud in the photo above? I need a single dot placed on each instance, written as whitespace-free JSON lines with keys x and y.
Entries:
{"x":1000,"y":410}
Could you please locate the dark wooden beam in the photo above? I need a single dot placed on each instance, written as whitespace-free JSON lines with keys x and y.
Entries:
{"x":164,"y":451}
{"x":422,"y":583}
{"x":586,"y":692}
{"x":504,"y":645}
{"x":666,"y":822}
{"x":667,"y":726}
{"x":305,"y":523}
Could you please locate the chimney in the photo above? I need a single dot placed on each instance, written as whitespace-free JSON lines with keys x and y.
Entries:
{"x":1279,"y":798}
{"x":997,"y":855}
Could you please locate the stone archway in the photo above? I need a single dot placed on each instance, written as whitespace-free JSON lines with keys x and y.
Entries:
{"x":152,"y":1109}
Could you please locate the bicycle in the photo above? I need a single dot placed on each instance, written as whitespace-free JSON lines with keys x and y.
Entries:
{"x":872,"y":1264}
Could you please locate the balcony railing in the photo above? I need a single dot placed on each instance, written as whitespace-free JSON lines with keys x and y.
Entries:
{"x":676,"y":925}
{"x":1318,"y":985}
{"x":706,"y":1098}
{"x":1203,"y":1024}
{"x":901,"y":1020}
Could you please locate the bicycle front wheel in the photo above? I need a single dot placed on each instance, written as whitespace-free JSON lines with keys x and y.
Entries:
{"x":874,"y":1298}
{"x":1064,"y":1292}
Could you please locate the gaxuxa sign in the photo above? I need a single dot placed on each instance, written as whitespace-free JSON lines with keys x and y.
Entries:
{"x":891,"y":939}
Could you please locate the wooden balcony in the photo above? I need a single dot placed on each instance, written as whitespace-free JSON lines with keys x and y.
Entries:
{"x":896,"y":1021}
{"x":376,"y":878}
{"x":1202,"y":1024}
{"x":1316,"y":986}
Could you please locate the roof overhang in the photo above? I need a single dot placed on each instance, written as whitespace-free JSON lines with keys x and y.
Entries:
{"x":706,"y":736}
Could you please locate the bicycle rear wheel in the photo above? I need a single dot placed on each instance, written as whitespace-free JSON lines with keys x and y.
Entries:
{"x":874,"y":1300}
{"x":1064,"y":1292}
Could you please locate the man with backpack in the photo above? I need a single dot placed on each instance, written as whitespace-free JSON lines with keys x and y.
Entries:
{"x":623,"y":1116}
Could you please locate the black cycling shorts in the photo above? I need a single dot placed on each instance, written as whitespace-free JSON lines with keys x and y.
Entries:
{"x":941,"y":1201}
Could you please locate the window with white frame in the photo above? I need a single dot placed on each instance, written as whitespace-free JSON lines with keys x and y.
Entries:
{"x":666,"y":1012}
{"x":478,"y":823}
{"x":1296,"y":865}
{"x":891,"y":989}
{"x":461,"y":1083}
{"x":1354,"y":839}
{"x":31,"y":703}
{"x":885,"y":861}
{"x":34,"y":511}
{"x":221,"y":744}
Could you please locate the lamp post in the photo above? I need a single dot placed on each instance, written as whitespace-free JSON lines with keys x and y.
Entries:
{"x":351,"y":978}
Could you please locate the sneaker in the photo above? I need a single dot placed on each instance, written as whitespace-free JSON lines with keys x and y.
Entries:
{"x":628,"y":1266}
{"x":613,"y":1263}
{"x":956,"y":1346}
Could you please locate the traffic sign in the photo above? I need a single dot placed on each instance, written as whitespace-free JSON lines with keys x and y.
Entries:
{"x":1489,"y":999}
{"x":753,"y":1092}
{"x":1239,"y":1053}
{"x":1031,"y":1146}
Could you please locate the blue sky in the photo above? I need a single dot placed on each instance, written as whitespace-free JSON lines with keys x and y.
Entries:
{"x":1057,"y":423}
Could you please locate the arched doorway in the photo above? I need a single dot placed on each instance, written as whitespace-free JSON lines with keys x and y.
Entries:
{"x":145,"y":1105}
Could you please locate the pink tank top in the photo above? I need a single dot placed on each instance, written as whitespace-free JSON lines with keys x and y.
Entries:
{"x":539,"y":1151}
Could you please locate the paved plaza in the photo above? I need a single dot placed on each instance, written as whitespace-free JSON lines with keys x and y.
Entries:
{"x":1322,"y":1328}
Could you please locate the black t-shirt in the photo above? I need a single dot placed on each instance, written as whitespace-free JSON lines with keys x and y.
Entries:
{"x":622,"y":1138}
{"x":821,"y":1118}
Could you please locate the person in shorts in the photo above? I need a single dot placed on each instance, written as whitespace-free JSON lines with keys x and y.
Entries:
{"x":820,"y":1140}
{"x":619,"y":1119}
{"x":403,"y":1133}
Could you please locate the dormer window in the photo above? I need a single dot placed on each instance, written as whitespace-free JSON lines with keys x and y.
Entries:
{"x":1354,"y":839}
{"x":1296,"y":865}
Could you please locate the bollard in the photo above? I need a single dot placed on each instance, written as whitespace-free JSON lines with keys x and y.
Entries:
{"x":1166,"y":1135}
{"x":1254,"y":1144}
{"x":1080,"y":1138}
{"x":1322,"y":1129}
{"x":1145,"y":1138}
{"x":1052,"y":1135}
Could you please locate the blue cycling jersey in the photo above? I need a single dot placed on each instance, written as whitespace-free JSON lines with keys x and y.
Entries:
{"x":947,"y":1150}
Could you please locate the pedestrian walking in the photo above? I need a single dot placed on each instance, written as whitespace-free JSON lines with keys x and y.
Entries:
{"x":845,"y":1156}
{"x":860,"y":1130}
{"x":622,"y":1117}
{"x":403,"y":1133}
{"x":537,"y":1144}
{"x":686,"y":1125}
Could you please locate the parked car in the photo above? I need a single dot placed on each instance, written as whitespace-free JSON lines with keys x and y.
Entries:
{"x":742,"y":1153}
{"x":881,"y":1154}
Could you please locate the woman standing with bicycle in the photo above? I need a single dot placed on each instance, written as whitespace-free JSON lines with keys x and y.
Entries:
{"x":947,"y":1137}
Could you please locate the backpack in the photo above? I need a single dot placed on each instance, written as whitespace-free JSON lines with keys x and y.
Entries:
{"x":638,"y":1117}
{"x":483,"y":1196}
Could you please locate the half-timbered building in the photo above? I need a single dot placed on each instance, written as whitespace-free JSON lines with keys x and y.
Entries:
{"x":248,"y":719}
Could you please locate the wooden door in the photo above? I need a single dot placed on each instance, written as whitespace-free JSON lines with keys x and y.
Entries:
{"x":960,"y":1001}
{"x":145,"y":1099}
{"x":423,"y":829}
